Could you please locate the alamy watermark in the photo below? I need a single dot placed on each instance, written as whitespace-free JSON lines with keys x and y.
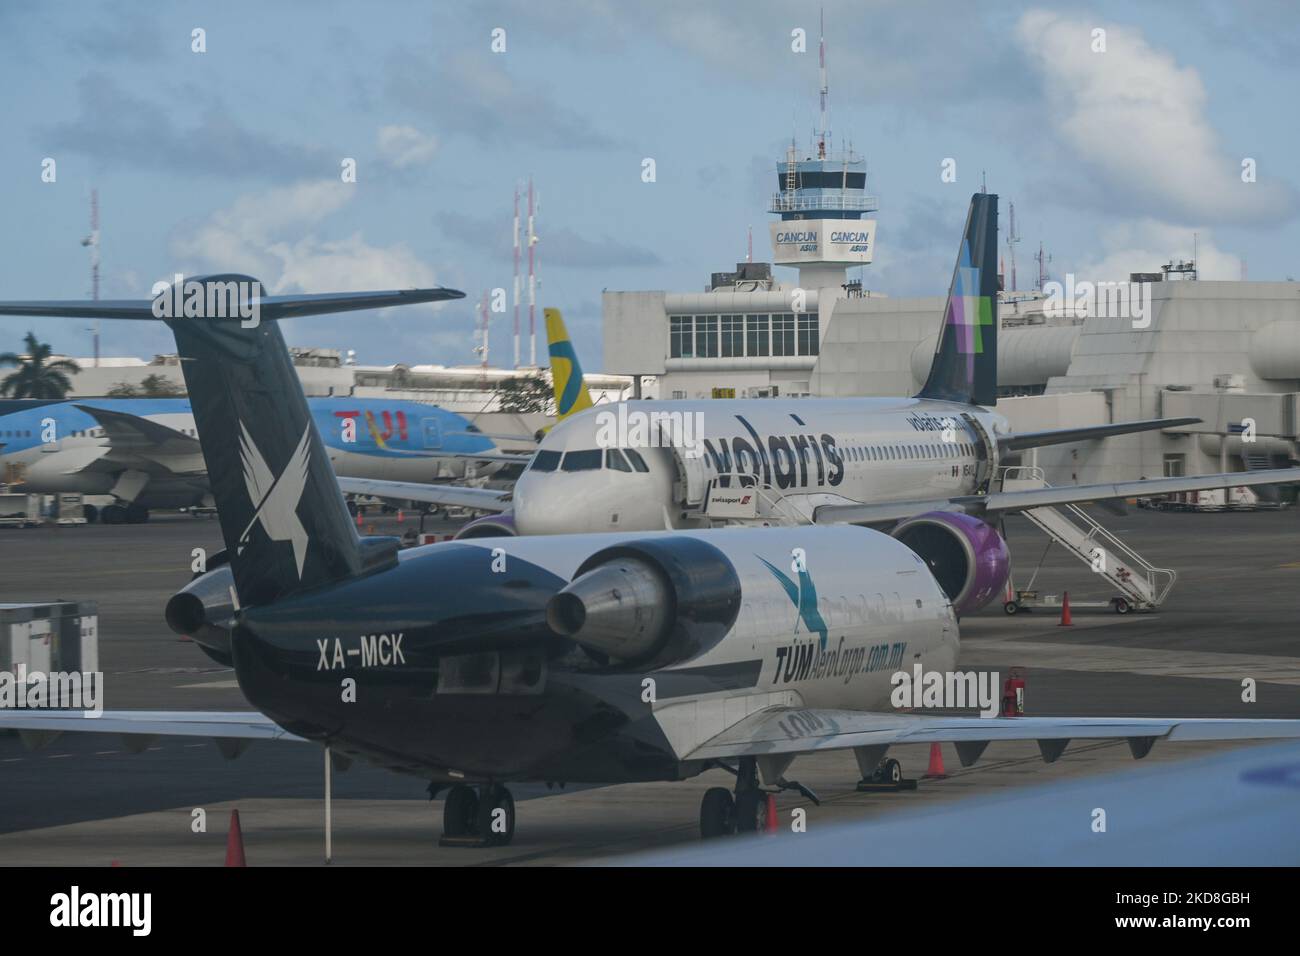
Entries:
{"x":949,"y":690}
{"x":1116,"y":300}
{"x":637,"y":429}
{"x":61,"y":690}
{"x":209,"y":299}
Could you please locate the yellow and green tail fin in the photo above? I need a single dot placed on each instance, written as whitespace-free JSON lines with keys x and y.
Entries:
{"x":571,"y":394}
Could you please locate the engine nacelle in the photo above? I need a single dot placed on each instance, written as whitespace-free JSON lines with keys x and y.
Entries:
{"x":649,"y":602}
{"x":967,"y":557}
{"x":204,"y":611}
{"x":489,"y":526}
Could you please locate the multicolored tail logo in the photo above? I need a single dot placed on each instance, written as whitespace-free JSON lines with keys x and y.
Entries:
{"x":965,"y":367}
{"x":566,"y":374}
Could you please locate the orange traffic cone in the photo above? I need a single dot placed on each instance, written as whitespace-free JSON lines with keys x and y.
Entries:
{"x":936,"y":771}
{"x":1066,"y":621}
{"x":235,"y":842}
{"x":769,"y":825}
{"x":370,"y":529}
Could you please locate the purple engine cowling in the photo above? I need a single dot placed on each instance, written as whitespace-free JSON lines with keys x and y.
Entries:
{"x":967,"y":557}
{"x":490,"y":526}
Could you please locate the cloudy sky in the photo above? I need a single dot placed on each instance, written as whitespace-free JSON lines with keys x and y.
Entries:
{"x":230,"y":159}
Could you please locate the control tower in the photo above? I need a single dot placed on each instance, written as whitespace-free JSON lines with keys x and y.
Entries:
{"x":822,"y":199}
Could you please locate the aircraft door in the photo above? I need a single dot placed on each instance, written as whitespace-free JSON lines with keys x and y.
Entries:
{"x":432,"y":433}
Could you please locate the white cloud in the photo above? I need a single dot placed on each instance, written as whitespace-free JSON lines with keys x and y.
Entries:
{"x":1137,"y":119}
{"x":270,"y":236}
{"x":1146,"y":245}
{"x":404,"y":146}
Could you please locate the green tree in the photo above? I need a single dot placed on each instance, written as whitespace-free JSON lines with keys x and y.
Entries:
{"x":37,"y":377}
{"x":159,"y":386}
{"x":528,"y":393}
{"x":123,"y":390}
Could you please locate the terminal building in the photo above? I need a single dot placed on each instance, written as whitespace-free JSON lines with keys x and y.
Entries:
{"x":1225,"y":352}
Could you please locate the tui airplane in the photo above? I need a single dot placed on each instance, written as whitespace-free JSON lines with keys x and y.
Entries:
{"x":604,"y":658}
{"x":145,"y":451}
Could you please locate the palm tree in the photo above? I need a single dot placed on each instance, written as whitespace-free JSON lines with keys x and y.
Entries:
{"x":36,"y":377}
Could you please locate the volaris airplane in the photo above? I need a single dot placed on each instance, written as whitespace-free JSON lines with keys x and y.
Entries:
{"x":606,"y":658}
{"x":922,"y":468}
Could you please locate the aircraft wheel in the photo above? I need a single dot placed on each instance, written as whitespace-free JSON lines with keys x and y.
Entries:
{"x":459,"y":811}
{"x":113,"y":514}
{"x":717,"y":813}
{"x":495,"y":821}
{"x":136,"y":514}
{"x":91,"y":513}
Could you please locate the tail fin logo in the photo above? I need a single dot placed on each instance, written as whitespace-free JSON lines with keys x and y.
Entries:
{"x":275,"y":499}
{"x":969,"y":311}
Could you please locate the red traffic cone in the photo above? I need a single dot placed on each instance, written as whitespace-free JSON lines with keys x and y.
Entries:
{"x":359,"y":517}
{"x":1066,"y":620}
{"x":769,"y":825}
{"x":936,"y":771}
{"x":235,"y":842}
{"x":400,"y":516}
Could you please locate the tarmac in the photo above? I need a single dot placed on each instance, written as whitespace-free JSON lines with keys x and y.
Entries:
{"x":87,"y":800}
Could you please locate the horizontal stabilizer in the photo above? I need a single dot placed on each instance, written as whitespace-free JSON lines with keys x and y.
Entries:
{"x":268,"y":307}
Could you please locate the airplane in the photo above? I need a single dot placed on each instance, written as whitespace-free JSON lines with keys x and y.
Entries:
{"x":602,"y":658}
{"x":145,"y":451}
{"x":922,"y":468}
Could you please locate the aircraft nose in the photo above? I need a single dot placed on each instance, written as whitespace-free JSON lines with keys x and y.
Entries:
{"x":558,"y":504}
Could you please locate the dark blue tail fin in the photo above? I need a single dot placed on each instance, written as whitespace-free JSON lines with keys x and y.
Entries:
{"x":965,"y":367}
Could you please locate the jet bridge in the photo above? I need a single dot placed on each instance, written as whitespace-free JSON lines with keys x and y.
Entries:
{"x":1140,"y":584}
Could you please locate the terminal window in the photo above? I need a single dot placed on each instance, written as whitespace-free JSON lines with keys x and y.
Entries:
{"x":809,"y":337}
{"x":681,"y":336}
{"x":783,"y":334}
{"x":756,"y":334}
{"x":733,"y":336}
{"x":706,"y":336}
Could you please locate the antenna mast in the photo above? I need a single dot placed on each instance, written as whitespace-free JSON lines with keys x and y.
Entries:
{"x":532,"y":281}
{"x":516,"y":235}
{"x":92,"y":242}
{"x":1013,"y":237}
{"x":825,"y":85}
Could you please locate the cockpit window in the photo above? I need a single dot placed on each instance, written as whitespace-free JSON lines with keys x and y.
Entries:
{"x":614,"y":459}
{"x":586,"y":460}
{"x":637,"y":461}
{"x":545,"y":461}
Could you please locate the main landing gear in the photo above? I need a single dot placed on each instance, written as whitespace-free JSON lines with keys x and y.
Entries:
{"x":124,"y":514}
{"x":886,"y":778}
{"x":485,"y":817}
{"x":722,"y":814}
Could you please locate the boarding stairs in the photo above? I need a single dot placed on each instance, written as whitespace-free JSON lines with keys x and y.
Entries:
{"x":1141,"y":585}
{"x":768,"y":506}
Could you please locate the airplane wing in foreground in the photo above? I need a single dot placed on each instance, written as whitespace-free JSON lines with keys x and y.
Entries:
{"x":793,"y":730}
{"x":1060,"y":436}
{"x":133,"y":433}
{"x":1010,"y":501}
{"x":480,"y":499}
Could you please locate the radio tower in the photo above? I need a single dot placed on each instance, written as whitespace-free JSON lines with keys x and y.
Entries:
{"x":482,"y":347}
{"x":92,"y":242}
{"x":825,"y":86}
{"x":532,"y":281}
{"x":1043,"y":260}
{"x":516,"y":274}
{"x":1013,"y":237}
